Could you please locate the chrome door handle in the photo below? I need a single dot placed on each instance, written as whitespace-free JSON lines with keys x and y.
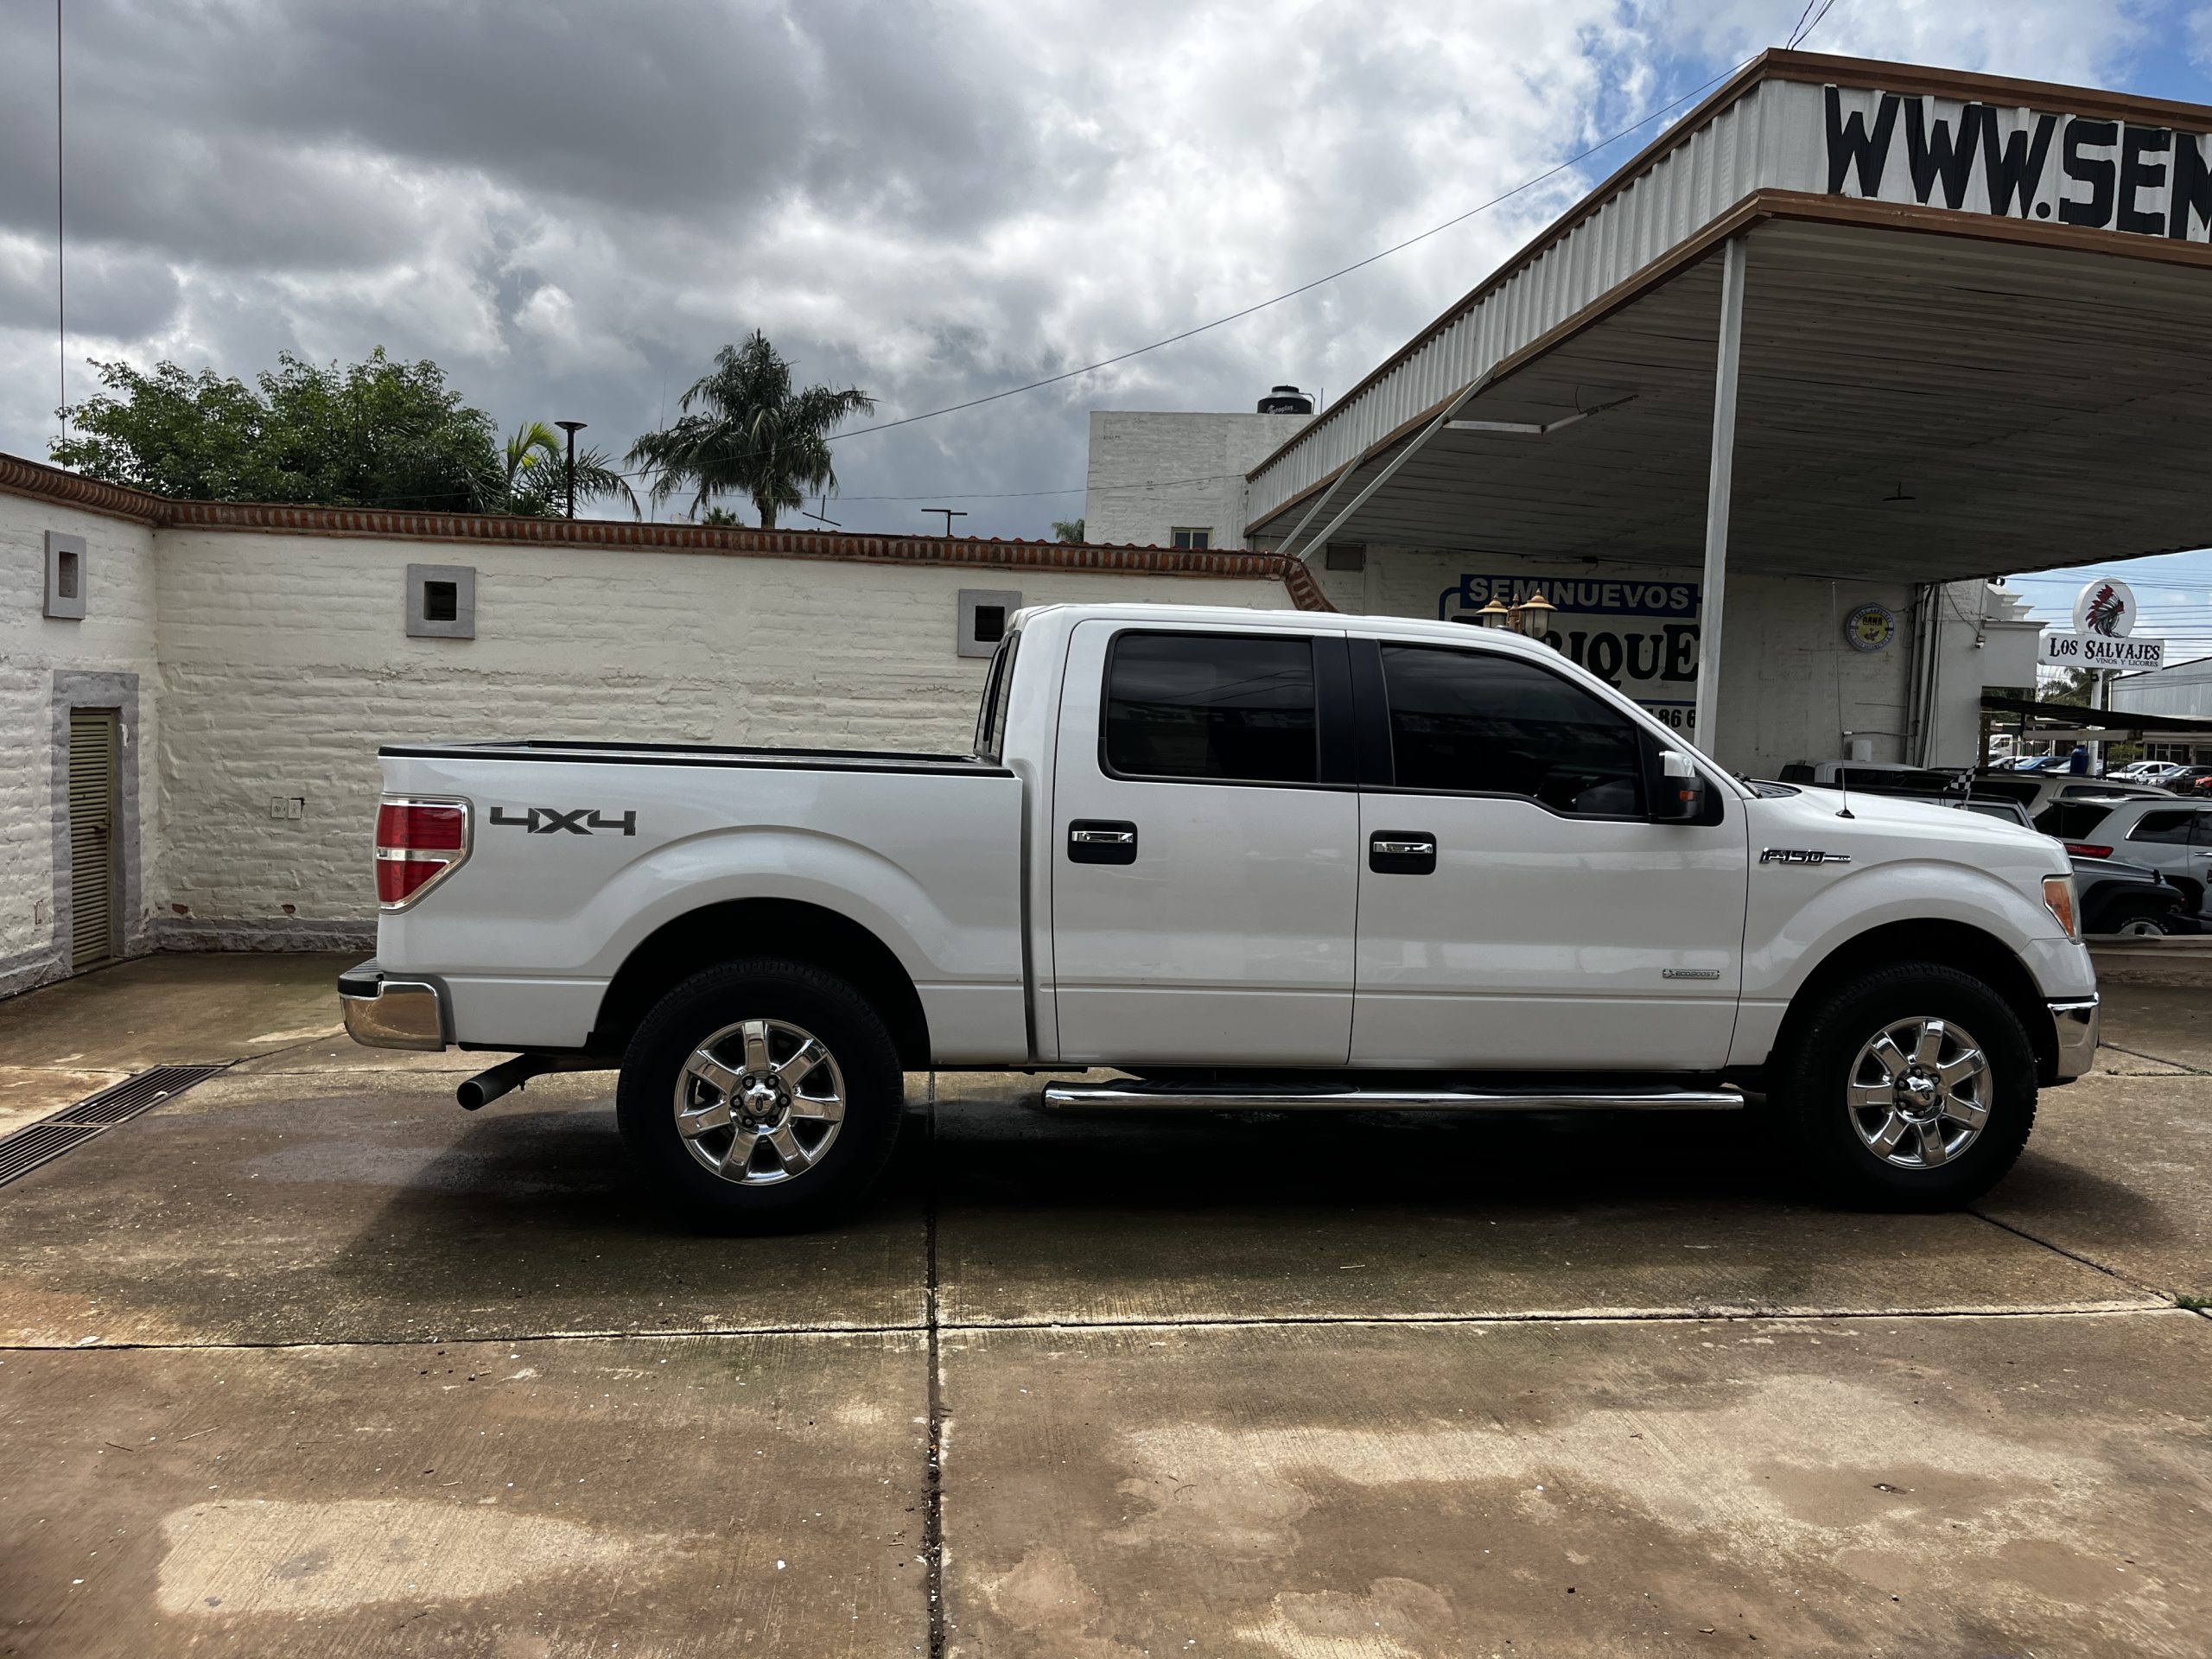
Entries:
{"x":1405,"y":848}
{"x":1102,"y":840}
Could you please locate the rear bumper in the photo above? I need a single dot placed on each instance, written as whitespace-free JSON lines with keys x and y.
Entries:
{"x":387,"y":1011}
{"x":2074,"y":1024}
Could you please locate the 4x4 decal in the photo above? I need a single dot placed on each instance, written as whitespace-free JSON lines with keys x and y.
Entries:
{"x":545,"y":820}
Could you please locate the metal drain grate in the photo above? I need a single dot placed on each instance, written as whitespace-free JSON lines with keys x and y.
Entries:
{"x":47,"y":1138}
{"x":27,"y":1148}
{"x":133,"y":1095}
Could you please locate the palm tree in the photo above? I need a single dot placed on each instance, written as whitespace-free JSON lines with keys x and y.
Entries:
{"x":536,"y":474}
{"x":1068,"y":529}
{"x":744,"y":428}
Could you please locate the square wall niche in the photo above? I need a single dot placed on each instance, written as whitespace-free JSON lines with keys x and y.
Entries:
{"x":441,"y":601}
{"x":67,"y":575}
{"x":984,"y":615}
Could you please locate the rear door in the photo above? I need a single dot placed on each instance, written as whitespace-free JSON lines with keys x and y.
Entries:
{"x":1204,"y":830}
{"x":1518,"y":908}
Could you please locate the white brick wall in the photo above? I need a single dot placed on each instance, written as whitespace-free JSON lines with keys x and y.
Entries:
{"x":116,"y":636}
{"x":1133,"y":494}
{"x":285,"y":664}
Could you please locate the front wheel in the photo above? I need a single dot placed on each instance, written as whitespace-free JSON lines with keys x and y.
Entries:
{"x":1907,"y":1088}
{"x":2135,"y":918}
{"x":761,"y":1095}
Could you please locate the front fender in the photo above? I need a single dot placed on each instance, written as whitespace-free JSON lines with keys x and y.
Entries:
{"x":1791,"y":933}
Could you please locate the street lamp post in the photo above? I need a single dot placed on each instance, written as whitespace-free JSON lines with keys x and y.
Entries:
{"x":572,"y":428}
{"x":1531,"y":617}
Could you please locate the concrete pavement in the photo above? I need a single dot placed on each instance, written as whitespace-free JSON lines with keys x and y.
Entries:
{"x":272,"y":1354}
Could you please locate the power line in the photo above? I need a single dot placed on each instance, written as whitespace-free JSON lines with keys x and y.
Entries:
{"x":1304,"y":288}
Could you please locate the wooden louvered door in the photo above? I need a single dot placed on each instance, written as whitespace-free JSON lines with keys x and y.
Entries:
{"x":91,"y":835}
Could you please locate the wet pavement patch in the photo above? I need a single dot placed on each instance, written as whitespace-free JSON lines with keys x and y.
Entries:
{"x":655,"y":1495}
{"x":1958,"y":1486}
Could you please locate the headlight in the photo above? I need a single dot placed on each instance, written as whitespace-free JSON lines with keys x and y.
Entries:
{"x":2058,"y":899}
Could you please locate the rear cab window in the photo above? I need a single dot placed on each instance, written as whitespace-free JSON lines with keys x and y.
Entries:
{"x":1212,"y":708}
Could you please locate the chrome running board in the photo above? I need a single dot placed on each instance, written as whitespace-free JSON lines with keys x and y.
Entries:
{"x":1129,"y":1094}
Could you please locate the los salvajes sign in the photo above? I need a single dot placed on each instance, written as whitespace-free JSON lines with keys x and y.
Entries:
{"x":2018,"y":163}
{"x":2104,"y":625}
{"x":1639,"y":636}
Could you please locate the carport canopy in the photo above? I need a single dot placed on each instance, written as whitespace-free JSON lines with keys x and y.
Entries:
{"x":1857,"y":367}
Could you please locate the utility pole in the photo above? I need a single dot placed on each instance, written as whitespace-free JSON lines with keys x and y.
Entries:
{"x":572,"y":428}
{"x":950,"y":513}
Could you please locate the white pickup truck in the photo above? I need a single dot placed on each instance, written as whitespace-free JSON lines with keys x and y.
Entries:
{"x":1244,"y":860}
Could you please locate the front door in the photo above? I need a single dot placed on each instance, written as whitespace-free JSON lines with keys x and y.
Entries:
{"x":1518,"y":909}
{"x":91,"y":835}
{"x":1204,"y":882}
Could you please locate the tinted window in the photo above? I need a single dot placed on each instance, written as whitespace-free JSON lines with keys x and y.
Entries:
{"x":1196,"y":705}
{"x":1480,"y":721}
{"x":2072,"y":820}
{"x":2023,"y":791}
{"x":2162,"y":826}
{"x":2011,"y":812}
{"x":990,"y":722}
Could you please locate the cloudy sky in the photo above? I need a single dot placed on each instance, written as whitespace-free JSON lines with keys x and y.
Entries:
{"x":569,"y":205}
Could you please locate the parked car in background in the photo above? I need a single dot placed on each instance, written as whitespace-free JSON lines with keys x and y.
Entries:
{"x":2170,"y":835}
{"x":2038,"y":791}
{"x":1883,"y":777}
{"x":2129,"y":901}
{"x":2114,"y":898}
{"x":1268,"y":860}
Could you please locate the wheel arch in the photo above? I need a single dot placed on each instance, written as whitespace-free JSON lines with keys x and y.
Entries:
{"x":1946,"y":943}
{"x":788,"y":928}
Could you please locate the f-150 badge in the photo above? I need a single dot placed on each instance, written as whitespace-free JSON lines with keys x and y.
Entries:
{"x":547,"y":820}
{"x":1801,"y":855}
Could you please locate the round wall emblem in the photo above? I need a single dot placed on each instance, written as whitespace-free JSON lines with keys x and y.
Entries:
{"x":1871,"y":628}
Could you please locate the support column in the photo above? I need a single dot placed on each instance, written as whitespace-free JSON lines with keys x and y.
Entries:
{"x":1719,"y":482}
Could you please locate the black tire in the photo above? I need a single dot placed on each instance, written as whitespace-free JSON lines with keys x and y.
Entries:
{"x":1814,"y":1065}
{"x":795,"y":994}
{"x":2145,"y":916}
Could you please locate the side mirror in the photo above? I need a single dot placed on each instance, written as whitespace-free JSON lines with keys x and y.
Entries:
{"x":1682,"y":795}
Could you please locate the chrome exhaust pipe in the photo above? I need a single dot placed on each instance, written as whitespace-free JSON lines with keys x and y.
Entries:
{"x":486,"y":1087}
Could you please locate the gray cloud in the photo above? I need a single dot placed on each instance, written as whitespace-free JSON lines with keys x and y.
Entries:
{"x":570,"y":204}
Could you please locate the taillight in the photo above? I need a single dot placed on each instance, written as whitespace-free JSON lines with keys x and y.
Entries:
{"x":419,"y":843}
{"x":2086,"y":850}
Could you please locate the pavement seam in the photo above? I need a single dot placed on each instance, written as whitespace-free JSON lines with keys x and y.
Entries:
{"x":2160,"y":1059}
{"x":933,"y":1492}
{"x":2131,"y":1282}
{"x":2155,"y":1304}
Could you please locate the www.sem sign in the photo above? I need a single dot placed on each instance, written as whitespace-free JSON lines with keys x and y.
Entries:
{"x":2018,"y":163}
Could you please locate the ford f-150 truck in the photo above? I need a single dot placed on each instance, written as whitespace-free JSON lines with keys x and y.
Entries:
{"x":1241,"y":860}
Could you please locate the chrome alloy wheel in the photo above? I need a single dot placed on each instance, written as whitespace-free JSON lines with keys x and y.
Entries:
{"x":1919,"y":1092}
{"x":760,"y":1101}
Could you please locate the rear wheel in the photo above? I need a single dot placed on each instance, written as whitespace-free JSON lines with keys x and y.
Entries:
{"x":761,"y":1095}
{"x":1908,"y":1088}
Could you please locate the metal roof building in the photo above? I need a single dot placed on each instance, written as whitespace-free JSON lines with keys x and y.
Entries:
{"x":1848,"y":325}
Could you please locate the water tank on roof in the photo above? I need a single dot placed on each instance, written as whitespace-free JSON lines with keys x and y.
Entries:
{"x":1286,"y":400}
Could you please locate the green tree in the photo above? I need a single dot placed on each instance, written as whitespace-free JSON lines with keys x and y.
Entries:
{"x":377,"y":433}
{"x":745,"y":429}
{"x":1068,"y":529}
{"x":536,"y":471}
